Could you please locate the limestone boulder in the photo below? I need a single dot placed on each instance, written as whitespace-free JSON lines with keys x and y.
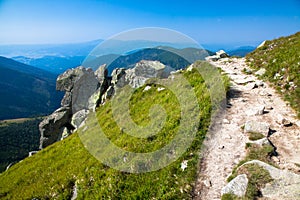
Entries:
{"x":51,"y":128}
{"x":236,"y":186}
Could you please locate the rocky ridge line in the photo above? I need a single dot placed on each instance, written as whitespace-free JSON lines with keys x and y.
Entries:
{"x":85,"y":90}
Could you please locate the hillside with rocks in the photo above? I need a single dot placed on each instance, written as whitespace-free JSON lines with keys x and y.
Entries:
{"x":247,"y":150}
{"x":257,"y":125}
{"x":253,"y":107}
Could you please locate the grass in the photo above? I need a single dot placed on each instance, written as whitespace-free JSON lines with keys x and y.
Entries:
{"x":280,"y":57}
{"x":255,"y":136}
{"x":56,"y":170}
{"x":258,"y":177}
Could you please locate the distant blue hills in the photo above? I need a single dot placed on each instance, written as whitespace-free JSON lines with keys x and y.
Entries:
{"x":56,"y":58}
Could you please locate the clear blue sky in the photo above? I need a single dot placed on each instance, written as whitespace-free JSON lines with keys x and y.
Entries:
{"x":217,"y":21}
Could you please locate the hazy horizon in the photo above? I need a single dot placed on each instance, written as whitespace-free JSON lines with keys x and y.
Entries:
{"x":64,"y":22}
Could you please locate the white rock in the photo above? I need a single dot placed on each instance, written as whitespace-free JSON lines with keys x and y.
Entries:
{"x":260,"y":72}
{"x":257,"y":127}
{"x":147,"y":88}
{"x":226,"y":121}
{"x":160,"y":89}
{"x":282,"y":121}
{"x":236,"y":186}
{"x":184,"y":165}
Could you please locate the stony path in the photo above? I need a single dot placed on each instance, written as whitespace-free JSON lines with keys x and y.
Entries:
{"x":225,"y":142}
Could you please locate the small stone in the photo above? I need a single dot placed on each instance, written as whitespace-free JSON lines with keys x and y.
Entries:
{"x":160,"y":89}
{"x":207,"y":183}
{"x":275,"y":159}
{"x":147,"y":88}
{"x":283,"y":121}
{"x":260,"y":83}
{"x":298,"y":123}
{"x":226,"y":121}
{"x":260,"y":110}
{"x":31,"y":153}
{"x":260,"y":72}
{"x":184,"y":165}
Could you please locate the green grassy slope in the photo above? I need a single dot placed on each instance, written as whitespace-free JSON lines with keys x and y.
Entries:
{"x":281,"y":59}
{"x":53,"y":172}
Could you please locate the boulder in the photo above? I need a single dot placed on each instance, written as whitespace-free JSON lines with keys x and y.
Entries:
{"x":118,"y":77}
{"x":101,"y":73}
{"x":108,"y":94}
{"x":67,"y":100}
{"x":51,"y":128}
{"x":257,"y":127}
{"x":145,"y":69}
{"x":285,"y":184}
{"x":212,"y":58}
{"x":79,"y":117}
{"x":83,"y":89}
{"x":283,"y":121}
{"x":236,"y":186}
{"x":222,"y":54}
{"x":65,"y":81}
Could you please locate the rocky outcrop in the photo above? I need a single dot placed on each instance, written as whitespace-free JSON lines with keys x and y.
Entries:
{"x":52,"y":126}
{"x":85,"y":90}
{"x":219,"y":54}
{"x":137,"y":76}
{"x":79,"y":84}
{"x":285,"y":184}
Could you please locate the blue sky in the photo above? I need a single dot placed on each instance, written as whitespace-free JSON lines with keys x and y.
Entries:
{"x":37,"y":21}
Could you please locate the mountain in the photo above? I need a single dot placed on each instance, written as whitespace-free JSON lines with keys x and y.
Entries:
{"x":173,"y":57}
{"x":56,"y":50}
{"x":241,"y":51}
{"x":25,"y":90}
{"x":52,"y":64}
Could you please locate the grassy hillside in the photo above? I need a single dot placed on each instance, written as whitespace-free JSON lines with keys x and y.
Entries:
{"x":53,"y":172}
{"x":17,"y":138}
{"x":281,"y":59}
{"x":26,"y":91}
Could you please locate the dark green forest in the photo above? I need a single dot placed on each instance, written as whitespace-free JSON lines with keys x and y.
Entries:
{"x":23,"y":138}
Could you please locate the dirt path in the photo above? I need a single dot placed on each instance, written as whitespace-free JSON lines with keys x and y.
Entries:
{"x":225,"y":143}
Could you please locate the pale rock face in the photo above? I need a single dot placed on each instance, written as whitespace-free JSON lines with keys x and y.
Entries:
{"x":285,"y":184}
{"x":257,"y":127}
{"x":219,"y":54}
{"x":236,"y":186}
{"x":51,"y":128}
{"x":261,"y":44}
{"x":79,"y":117}
{"x":143,"y":70}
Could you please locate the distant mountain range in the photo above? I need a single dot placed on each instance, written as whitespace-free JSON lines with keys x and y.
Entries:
{"x":26,"y":91}
{"x":56,"y":58}
{"x":172,"y":57}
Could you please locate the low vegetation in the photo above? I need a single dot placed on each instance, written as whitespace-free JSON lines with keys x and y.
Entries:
{"x":54,"y":172}
{"x":255,"y":136}
{"x":281,"y":59}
